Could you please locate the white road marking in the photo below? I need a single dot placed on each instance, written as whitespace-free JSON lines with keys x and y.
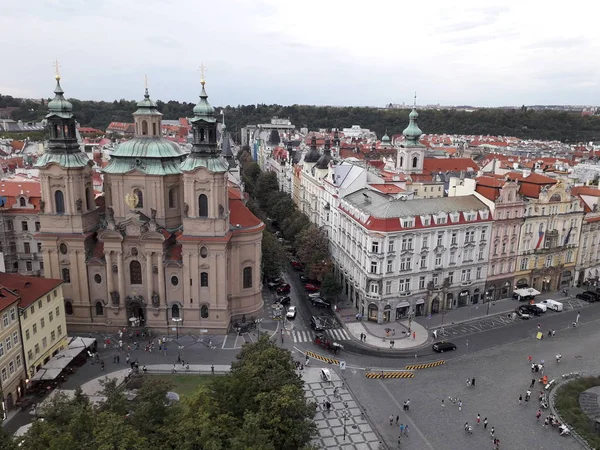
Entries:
{"x":224,"y":341}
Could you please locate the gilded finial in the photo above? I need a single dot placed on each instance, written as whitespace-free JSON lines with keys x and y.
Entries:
{"x":202,"y":80}
{"x":57,"y":70}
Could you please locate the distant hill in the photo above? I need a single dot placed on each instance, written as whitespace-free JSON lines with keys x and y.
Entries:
{"x":564,"y":126}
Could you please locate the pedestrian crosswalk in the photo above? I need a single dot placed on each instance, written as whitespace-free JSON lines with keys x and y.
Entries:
{"x":337,"y":334}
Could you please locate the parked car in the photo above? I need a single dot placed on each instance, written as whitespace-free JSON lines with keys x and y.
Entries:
{"x":541,"y":306}
{"x":530,"y":309}
{"x":283,"y":289}
{"x":522,"y":313}
{"x":303,"y":278}
{"x":587,"y":297}
{"x":283,"y":300}
{"x":275,"y":282}
{"x":321,"y":302}
{"x":443,"y":346}
{"x":315,"y":294}
{"x":297,"y":265}
{"x":552,"y":304}
{"x":291,"y":312}
{"x":311,"y":287}
{"x":316,"y":323}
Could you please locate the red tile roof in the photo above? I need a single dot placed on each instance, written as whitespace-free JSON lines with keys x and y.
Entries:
{"x":585,"y":190}
{"x":531,"y":184}
{"x":448,"y":164}
{"x":387,"y":188}
{"x":29,"y":289}
{"x":7,"y":298}
{"x":489,"y":187}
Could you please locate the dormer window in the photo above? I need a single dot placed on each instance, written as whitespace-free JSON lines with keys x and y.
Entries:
{"x":441,"y":220}
{"x":408,"y":223}
{"x":22,"y":202}
{"x":454,"y":217}
{"x":485,"y":214}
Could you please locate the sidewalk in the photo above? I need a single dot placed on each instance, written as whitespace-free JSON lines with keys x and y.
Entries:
{"x":480,"y":310}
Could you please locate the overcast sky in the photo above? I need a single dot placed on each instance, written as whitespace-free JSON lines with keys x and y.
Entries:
{"x":325,"y":52}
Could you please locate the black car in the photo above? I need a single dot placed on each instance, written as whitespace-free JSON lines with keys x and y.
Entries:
{"x":321,"y":302}
{"x":443,"y":346}
{"x":531,"y":310}
{"x":589,"y":297}
{"x":316,"y":323}
{"x":283,"y":300}
{"x":523,"y":313}
{"x":275,"y":282}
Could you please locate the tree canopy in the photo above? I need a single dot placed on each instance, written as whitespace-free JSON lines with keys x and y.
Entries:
{"x":259,"y":405}
{"x":520,"y":122}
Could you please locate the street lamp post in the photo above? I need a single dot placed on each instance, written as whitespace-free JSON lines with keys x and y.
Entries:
{"x":177,"y":321}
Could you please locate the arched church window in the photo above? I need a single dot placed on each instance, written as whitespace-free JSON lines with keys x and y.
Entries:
{"x":173,"y":197}
{"x":135,"y":272}
{"x":154,"y":129}
{"x":247,"y":277}
{"x":88,"y":195}
{"x":144,"y":128}
{"x":68,"y":308}
{"x":99,"y":309}
{"x":401,"y":161}
{"x":175,"y":311}
{"x":204,"y":311}
{"x":59,"y":202}
{"x":203,"y":205}
{"x":22,"y":201}
{"x":415,"y":163}
{"x":204,"y":279}
{"x":140,"y":198}
{"x":66,"y":275}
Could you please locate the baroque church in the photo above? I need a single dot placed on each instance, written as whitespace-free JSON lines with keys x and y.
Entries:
{"x":171,"y":242}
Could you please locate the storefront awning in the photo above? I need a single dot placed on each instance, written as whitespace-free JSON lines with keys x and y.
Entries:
{"x":403,"y":305}
{"x":526,"y":292}
{"x":58,"y":362}
{"x":81,"y":342}
{"x":46,"y":374}
{"x":420,"y":301}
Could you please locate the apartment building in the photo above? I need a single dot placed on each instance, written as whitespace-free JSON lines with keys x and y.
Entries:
{"x":398,"y":257}
{"x":549,"y":233}
{"x":12,"y":370}
{"x":587,"y":269}
{"x":42,"y":311}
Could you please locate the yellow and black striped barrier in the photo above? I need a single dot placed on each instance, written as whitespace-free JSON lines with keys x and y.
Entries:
{"x":322,"y":358}
{"x":425,"y":365}
{"x":400,"y":374}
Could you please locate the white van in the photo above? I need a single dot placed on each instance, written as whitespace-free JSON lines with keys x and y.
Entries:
{"x":552,"y":304}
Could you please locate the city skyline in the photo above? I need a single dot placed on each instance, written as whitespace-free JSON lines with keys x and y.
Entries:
{"x":336,"y":53}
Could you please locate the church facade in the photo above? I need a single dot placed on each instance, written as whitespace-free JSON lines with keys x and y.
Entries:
{"x":172,"y":244}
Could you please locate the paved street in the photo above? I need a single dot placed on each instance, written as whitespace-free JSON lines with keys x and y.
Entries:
{"x":502,"y":373}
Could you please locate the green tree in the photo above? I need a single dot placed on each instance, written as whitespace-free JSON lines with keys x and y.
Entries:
{"x":293,"y":225}
{"x":266,"y":184}
{"x":273,"y":256}
{"x":312,"y":246}
{"x":330,"y":287}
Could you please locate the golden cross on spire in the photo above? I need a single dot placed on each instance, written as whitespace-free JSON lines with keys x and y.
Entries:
{"x":56,"y":69}
{"x":202,"y":69}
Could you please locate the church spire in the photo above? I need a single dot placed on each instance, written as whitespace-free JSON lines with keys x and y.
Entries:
{"x":61,"y":122}
{"x":412,"y":132}
{"x":204,"y":126}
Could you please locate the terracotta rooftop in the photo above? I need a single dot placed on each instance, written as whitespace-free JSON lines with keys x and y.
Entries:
{"x":29,"y":289}
{"x":448,"y":164}
{"x":585,"y":190}
{"x":387,"y":188}
{"x":7,"y":298}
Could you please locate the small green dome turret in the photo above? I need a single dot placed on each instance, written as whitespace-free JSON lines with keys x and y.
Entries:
{"x":59,"y":106}
{"x":412,"y":132}
{"x":204,"y":110}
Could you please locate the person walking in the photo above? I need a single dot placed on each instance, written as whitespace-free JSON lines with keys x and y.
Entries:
{"x":473,"y":381}
{"x":408,"y":404}
{"x":406,"y":430}
{"x":415,"y":334}
{"x":468,"y":382}
{"x":532,"y":383}
{"x":102,"y":365}
{"x":520,"y":398}
{"x":443,"y":403}
{"x":546,"y":422}
{"x":391,"y":420}
{"x":485,"y":422}
{"x":401,"y":428}
{"x":460,"y":405}
{"x":527,"y":395}
{"x":397,"y":419}
{"x":492,"y":430}
{"x":529,"y":359}
{"x":478,"y":419}
{"x":549,"y":333}
{"x":538,"y":415}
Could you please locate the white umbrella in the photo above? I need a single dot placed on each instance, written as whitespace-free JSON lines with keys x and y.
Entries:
{"x":23,"y":430}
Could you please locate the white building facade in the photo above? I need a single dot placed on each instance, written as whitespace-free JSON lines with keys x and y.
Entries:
{"x":400,"y":258}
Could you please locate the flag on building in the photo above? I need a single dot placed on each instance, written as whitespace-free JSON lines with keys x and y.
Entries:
{"x":568,"y":236}
{"x":540,"y":240}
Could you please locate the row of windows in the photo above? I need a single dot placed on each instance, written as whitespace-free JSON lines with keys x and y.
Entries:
{"x":24,"y":225}
{"x":551,"y":261}
{"x":9,"y":317}
{"x":59,"y":200}
{"x":8,"y":344}
{"x":31,"y":309}
{"x":9,"y":370}
{"x":406,"y":263}
{"x":12,"y":247}
{"x":54,"y":335}
{"x":404,"y":285}
{"x":51,"y":315}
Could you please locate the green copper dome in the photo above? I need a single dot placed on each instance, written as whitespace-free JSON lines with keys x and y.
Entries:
{"x":385,"y":139}
{"x":59,"y":106}
{"x":152,"y":155}
{"x":147,"y":107}
{"x":203,"y":110}
{"x":412,"y":132}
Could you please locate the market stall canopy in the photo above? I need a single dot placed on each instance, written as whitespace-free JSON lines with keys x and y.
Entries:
{"x":81,"y":342}
{"x":526,"y":291}
{"x":58,"y":362}
{"x":46,"y":374}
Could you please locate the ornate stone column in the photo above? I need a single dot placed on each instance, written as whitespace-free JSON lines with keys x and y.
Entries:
{"x":161,"y":277}
{"x":109,"y":274}
{"x":149,"y":284}
{"x":121,"y":276}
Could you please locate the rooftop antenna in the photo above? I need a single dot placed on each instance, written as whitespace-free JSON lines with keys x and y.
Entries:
{"x":202,"y":69}
{"x":415,"y":102}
